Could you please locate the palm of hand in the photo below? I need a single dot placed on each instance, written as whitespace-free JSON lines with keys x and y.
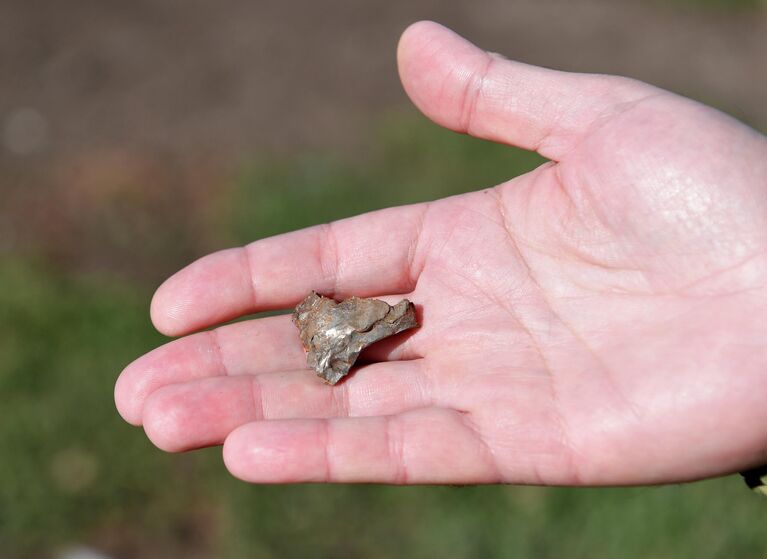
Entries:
{"x":590,"y":322}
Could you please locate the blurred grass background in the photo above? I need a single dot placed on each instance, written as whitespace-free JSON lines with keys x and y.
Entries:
{"x":86,"y":233}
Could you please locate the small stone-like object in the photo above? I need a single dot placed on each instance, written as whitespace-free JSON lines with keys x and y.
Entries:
{"x":333,"y":334}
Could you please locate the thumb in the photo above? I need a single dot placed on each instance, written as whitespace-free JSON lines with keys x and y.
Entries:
{"x":469,"y":90}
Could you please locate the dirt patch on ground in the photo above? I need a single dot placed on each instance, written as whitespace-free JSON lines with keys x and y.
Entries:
{"x":236,"y":76}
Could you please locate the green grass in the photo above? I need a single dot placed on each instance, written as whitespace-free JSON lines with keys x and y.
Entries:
{"x":69,"y":464}
{"x":72,"y":471}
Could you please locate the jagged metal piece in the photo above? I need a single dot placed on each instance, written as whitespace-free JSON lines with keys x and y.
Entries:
{"x":333,"y":334}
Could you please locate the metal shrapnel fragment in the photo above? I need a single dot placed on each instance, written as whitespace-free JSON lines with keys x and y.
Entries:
{"x":333,"y":334}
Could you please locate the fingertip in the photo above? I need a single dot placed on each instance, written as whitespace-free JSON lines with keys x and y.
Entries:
{"x":164,"y":422}
{"x":274,"y":452}
{"x":193,"y":297}
{"x":122,"y":403}
{"x":167,"y":315}
{"x":213,"y":289}
{"x":412,"y":43}
{"x":126,"y":402}
{"x":416,"y":32}
{"x":236,"y":455}
{"x":436,"y":65}
{"x":174,"y":362}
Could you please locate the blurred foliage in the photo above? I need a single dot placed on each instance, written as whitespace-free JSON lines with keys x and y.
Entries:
{"x":72,"y":471}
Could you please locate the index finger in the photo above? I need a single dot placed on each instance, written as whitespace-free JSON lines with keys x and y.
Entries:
{"x":366,"y":255}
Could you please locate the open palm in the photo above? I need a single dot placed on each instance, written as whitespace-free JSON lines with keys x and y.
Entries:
{"x":596,"y":321}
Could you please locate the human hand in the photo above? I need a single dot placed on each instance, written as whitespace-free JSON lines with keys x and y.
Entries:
{"x":596,"y":321}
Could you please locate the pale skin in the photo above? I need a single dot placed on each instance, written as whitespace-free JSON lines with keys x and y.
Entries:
{"x":597,"y":321}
